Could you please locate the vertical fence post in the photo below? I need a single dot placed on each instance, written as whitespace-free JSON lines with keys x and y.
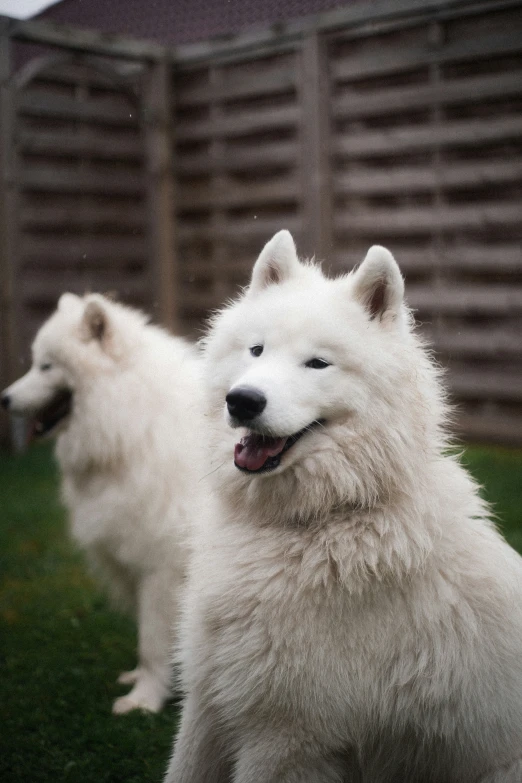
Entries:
{"x":315,"y":147}
{"x":8,"y":326}
{"x":158,"y":108}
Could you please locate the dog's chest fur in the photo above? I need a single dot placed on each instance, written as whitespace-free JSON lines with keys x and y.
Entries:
{"x":283,"y":635}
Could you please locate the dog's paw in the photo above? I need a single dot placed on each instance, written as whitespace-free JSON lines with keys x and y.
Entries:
{"x":126,"y":704}
{"x":129,"y":678}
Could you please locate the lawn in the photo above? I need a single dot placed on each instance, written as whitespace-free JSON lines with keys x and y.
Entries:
{"x":61,"y":646}
{"x":61,"y":649}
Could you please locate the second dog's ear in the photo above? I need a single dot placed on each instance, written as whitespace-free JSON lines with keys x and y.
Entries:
{"x":276,"y":263}
{"x":68,"y":302}
{"x":95,"y":321}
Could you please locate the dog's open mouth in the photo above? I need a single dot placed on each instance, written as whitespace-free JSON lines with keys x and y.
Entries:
{"x":257,"y":453}
{"x":52,"y":414}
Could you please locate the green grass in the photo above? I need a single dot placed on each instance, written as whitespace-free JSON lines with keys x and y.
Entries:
{"x":499,"y":471}
{"x":62,"y":647}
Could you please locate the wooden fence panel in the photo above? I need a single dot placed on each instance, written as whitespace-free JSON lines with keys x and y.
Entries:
{"x":427,"y":159}
{"x":237,"y":129}
{"x":161,"y":174}
{"x":82,"y":188}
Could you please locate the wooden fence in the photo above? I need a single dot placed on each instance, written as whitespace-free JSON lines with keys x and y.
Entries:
{"x":160,"y":174}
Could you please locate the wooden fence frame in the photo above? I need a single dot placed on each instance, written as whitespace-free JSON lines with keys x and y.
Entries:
{"x":306,"y":35}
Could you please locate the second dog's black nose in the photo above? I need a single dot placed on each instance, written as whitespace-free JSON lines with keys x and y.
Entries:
{"x":245,"y":403}
{"x":5,"y":400}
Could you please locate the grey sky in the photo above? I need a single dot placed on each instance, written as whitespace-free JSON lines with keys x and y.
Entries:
{"x":23,"y":9}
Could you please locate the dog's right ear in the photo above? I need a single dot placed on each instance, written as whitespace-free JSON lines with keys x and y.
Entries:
{"x":95,"y":321}
{"x":277,"y":262}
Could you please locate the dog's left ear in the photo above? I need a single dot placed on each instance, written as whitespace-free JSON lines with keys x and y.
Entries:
{"x":277,"y":262}
{"x":95,"y":321}
{"x":378,"y":285}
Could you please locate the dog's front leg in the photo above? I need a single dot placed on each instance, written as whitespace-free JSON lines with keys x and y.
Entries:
{"x":157,"y":614}
{"x":199,"y":755}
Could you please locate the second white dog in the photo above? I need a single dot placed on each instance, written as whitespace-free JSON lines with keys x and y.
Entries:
{"x":123,"y":399}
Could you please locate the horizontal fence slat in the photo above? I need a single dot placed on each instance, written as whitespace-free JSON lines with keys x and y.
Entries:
{"x":46,"y":291}
{"x":67,"y":217}
{"x":40,"y":104}
{"x":421,"y":96}
{"x":484,"y":383}
{"x":241,"y":124}
{"x":63,"y":181}
{"x":229,"y":194}
{"x":462,"y":299}
{"x":196,"y":269}
{"x":397,"y":59}
{"x":274,"y":81}
{"x":59,"y":144}
{"x":237,"y":230}
{"x":64,"y":250}
{"x":256,"y":157}
{"x":397,"y":180}
{"x":417,"y":220}
{"x":488,"y":342}
{"x":424,"y":137}
{"x":496,"y":427}
{"x":503,"y":258}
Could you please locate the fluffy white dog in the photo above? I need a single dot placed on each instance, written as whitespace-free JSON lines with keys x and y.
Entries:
{"x":352,"y":613}
{"x":123,"y":399}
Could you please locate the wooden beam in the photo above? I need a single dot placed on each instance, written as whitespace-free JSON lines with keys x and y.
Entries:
{"x":158,"y":109}
{"x":66,"y":37}
{"x":315,"y":148}
{"x":9,"y":353}
{"x":357,"y":19}
{"x":7,"y":185}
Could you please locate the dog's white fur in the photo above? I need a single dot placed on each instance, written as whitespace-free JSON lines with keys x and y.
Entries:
{"x":352,"y":615}
{"x":129,"y":455}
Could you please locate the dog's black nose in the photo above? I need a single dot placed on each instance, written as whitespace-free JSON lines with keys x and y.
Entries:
{"x":5,"y":400}
{"x":245,"y":403}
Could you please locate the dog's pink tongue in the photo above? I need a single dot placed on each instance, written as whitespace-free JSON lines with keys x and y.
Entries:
{"x":253,"y":450}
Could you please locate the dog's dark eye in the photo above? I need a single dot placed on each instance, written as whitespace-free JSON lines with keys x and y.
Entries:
{"x":45,"y":366}
{"x":317,"y":364}
{"x":256,"y":350}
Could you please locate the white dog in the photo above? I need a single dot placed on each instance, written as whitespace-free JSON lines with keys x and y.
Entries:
{"x":123,"y":399}
{"x":352,"y":613}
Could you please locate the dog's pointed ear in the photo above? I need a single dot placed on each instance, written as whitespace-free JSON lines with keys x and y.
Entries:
{"x":68,"y":301}
{"x":378,"y":285}
{"x":95,"y":321}
{"x":277,"y":262}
